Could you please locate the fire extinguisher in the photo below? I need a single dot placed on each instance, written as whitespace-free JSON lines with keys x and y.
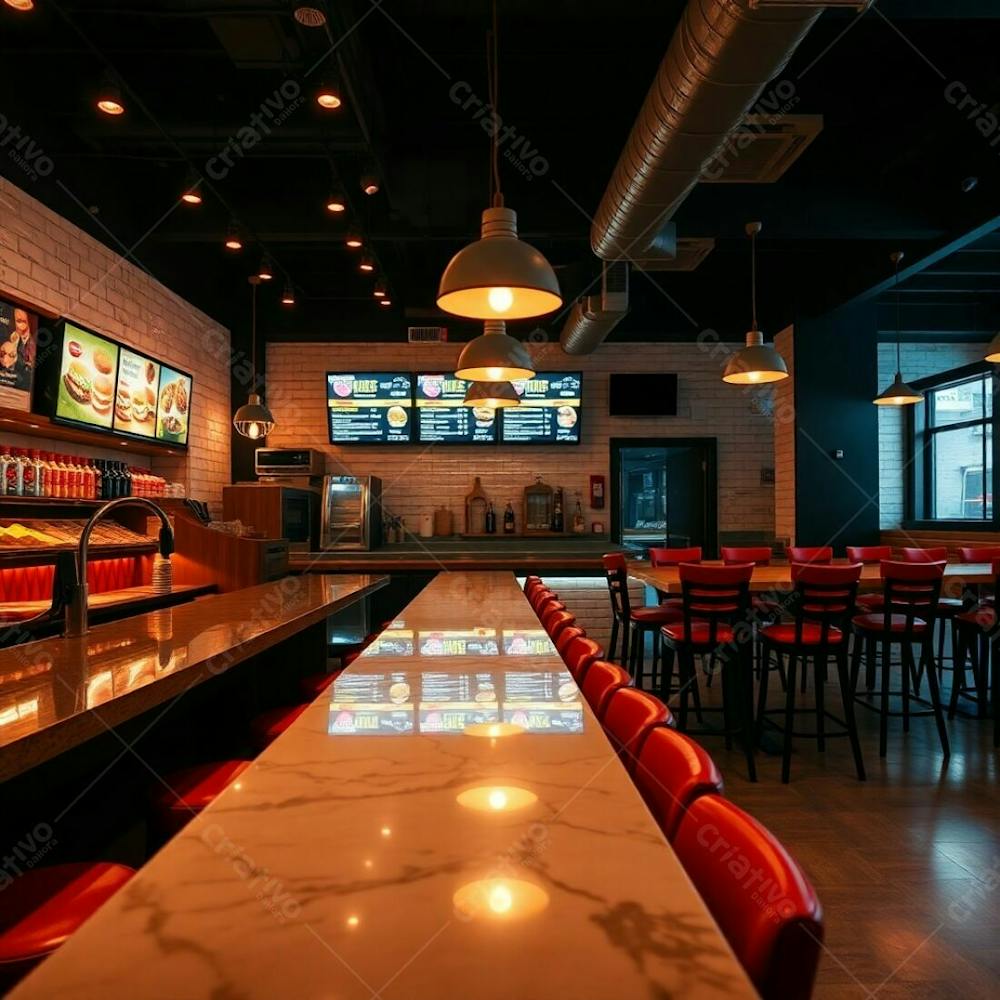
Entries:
{"x":597,"y":492}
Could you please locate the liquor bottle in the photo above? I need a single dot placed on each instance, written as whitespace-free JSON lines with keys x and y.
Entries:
{"x":127,"y":475}
{"x":579,"y":525}
{"x":508,"y":519}
{"x":5,"y":463}
{"x":491,"y":520}
{"x":557,"y":512}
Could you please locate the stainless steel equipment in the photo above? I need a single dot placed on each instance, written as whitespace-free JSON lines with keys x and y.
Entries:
{"x":285,"y":463}
{"x":352,"y":512}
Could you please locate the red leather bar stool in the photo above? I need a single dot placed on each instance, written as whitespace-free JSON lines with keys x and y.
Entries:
{"x":531,"y":581}
{"x":42,"y":907}
{"x":554,"y":622}
{"x":716,"y":601}
{"x":580,"y":653}
{"x":767,"y":608}
{"x":869,"y":555}
{"x":978,"y":632}
{"x":269,"y":725}
{"x":540,"y":597}
{"x":567,"y":635}
{"x":911,"y":592}
{"x":183,"y":794}
{"x":948,"y":605}
{"x":547,"y":604}
{"x":629,"y":718}
{"x":822,"y":605}
{"x":778,"y":946}
{"x":635,"y":623}
{"x":821,"y":554}
{"x":673,"y":557}
{"x":673,"y":771}
{"x":603,"y":679}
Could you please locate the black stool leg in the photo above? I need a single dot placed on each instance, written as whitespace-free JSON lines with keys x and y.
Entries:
{"x":906,"y":668}
{"x":870,"y":662}
{"x":684,"y":671}
{"x":856,"y":660}
{"x":883,"y":730}
{"x":727,"y":695}
{"x":765,"y":673}
{"x":786,"y":752}
{"x":613,"y":643}
{"x":847,"y":696}
{"x":958,"y":652}
{"x":927,"y":658}
{"x":819,"y":681}
{"x":745,"y":691}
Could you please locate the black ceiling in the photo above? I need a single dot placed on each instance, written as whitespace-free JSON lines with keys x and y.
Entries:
{"x":886,"y":171}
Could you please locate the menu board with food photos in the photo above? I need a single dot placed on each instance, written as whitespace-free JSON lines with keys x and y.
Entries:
{"x":371,"y":705}
{"x":442,"y":418}
{"x":86,"y":390}
{"x":173,"y":408}
{"x":527,"y":642}
{"x":450,"y":702}
{"x":370,"y":407}
{"x":136,"y":395}
{"x":549,"y":412}
{"x":18,"y":349}
{"x":543,"y":702}
{"x":459,"y":642}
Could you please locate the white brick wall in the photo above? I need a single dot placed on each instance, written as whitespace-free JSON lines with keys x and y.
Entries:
{"x":48,"y":262}
{"x":417,"y":479}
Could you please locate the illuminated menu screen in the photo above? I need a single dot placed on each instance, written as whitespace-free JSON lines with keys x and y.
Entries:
{"x":459,"y":642}
{"x":371,"y":705}
{"x":543,"y":702}
{"x":137,"y":394}
{"x":450,"y":702}
{"x":86,"y":391}
{"x":549,"y":412}
{"x":370,"y":407}
{"x":442,"y":418}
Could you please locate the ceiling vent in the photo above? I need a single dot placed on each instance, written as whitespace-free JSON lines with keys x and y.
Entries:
{"x":691,"y":251}
{"x":761,"y":149}
{"x":593,"y":317}
{"x":427,"y":334}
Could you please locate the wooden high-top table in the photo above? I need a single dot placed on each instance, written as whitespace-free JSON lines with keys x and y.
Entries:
{"x":374,"y":851}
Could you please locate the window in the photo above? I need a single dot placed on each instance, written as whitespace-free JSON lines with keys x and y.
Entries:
{"x":953,"y":449}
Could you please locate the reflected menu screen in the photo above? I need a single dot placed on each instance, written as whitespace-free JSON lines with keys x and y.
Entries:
{"x":543,"y":702}
{"x":450,"y":702}
{"x":370,"y":407}
{"x":442,"y":418}
{"x":549,"y":412}
{"x":372,"y":705}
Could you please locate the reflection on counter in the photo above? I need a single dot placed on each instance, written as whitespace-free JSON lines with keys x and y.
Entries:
{"x":400,"y":703}
{"x":459,"y":642}
{"x":474,"y":641}
{"x":527,"y":642}
{"x":391,"y":642}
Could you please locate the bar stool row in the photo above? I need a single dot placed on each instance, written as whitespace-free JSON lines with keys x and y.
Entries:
{"x":683,"y":789}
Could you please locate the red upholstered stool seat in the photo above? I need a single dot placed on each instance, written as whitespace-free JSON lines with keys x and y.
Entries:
{"x":870,"y":602}
{"x":876,"y":623}
{"x":700,"y":633}
{"x":812,"y":635}
{"x":42,"y":907}
{"x":660,"y":614}
{"x":315,"y":684}
{"x":269,"y":725}
{"x":183,"y":794}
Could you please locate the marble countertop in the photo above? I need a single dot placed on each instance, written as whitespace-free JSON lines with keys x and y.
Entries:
{"x":449,"y":821}
{"x":57,"y":693}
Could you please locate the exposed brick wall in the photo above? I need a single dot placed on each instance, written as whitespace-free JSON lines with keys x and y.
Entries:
{"x":587,"y":598}
{"x":48,"y":262}
{"x":918,"y":361}
{"x":416,"y":479}
{"x":784,"y":441}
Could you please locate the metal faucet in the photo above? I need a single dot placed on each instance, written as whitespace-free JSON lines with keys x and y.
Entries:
{"x":75,"y":588}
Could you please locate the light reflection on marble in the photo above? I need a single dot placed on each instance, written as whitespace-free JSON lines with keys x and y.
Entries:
{"x":333,"y":872}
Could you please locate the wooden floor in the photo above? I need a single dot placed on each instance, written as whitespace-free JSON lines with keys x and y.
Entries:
{"x":907,"y":864}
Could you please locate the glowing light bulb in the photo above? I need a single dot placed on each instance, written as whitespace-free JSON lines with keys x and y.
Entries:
{"x":494,"y":374}
{"x":500,"y":299}
{"x":753,"y":376}
{"x":498,"y":799}
{"x":253,"y":431}
{"x":500,"y":899}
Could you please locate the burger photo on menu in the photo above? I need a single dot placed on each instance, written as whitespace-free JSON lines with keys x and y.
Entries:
{"x":173,"y":407}
{"x":135,"y":402}
{"x":86,"y":378}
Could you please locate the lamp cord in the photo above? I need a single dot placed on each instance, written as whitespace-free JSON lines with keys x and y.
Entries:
{"x":493,"y":85}
{"x":753,"y":277}
{"x":899,"y":365}
{"x":253,"y":339}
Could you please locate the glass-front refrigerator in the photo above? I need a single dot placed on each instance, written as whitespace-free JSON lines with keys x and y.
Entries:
{"x":352,"y":512}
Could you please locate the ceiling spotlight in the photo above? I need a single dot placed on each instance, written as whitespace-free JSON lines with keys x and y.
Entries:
{"x":367,"y":264}
{"x":384,"y":302}
{"x":309,"y":17}
{"x":23,"y":5}
{"x":191,"y":195}
{"x":109,"y":98}
{"x":354,"y":241}
{"x":266,"y":270}
{"x":379,"y":291}
{"x":328,"y":97}
{"x":288,"y":295}
{"x":369,"y":184}
{"x":234,"y":240}
{"x":336,"y":202}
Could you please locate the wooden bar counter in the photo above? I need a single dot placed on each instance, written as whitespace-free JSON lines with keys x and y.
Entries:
{"x":57,"y":693}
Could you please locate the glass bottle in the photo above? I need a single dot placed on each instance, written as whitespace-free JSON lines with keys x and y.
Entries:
{"x":557,"y":512}
{"x":491,"y":520}
{"x":508,"y":519}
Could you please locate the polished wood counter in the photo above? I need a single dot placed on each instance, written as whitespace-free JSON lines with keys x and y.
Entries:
{"x":57,"y":693}
{"x":451,"y":821}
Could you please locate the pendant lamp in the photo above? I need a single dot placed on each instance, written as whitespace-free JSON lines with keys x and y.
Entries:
{"x":898,"y":393}
{"x":757,"y":362}
{"x":493,"y":395}
{"x":494,"y":356}
{"x":993,"y":351}
{"x":498,"y":276}
{"x":253,"y":420}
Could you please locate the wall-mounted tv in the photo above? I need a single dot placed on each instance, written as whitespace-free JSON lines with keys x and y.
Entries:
{"x":644,"y":394}
{"x":441,"y":417}
{"x":370,"y":407}
{"x":549,"y":412}
{"x":85,"y":393}
{"x":136,"y":394}
{"x":173,"y":407}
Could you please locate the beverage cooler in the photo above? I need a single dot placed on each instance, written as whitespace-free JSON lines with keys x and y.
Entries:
{"x":352,"y":512}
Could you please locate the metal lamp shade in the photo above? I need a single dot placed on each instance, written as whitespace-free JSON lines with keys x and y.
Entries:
{"x":499,"y":276}
{"x":494,"y":356}
{"x":756,"y":363}
{"x":898,"y":394}
{"x":492,"y":395}
{"x":993,"y":351}
{"x":253,"y":420}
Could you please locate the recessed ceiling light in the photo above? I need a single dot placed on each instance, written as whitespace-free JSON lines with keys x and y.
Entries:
{"x":309,"y":17}
{"x":20,"y":4}
{"x":367,"y":264}
{"x":369,"y":184}
{"x":328,"y":97}
{"x":336,"y":203}
{"x":234,"y":241}
{"x":354,"y":241}
{"x":288,"y":295}
{"x":385,"y":302}
{"x":379,"y":291}
{"x":266,"y":270}
{"x":191,"y":195}
{"x":109,"y":99}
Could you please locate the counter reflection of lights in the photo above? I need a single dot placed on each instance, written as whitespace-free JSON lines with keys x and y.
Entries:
{"x":500,"y":899}
{"x":496,"y":798}
{"x":386,"y":831}
{"x":491,"y":730}
{"x":353,"y":920}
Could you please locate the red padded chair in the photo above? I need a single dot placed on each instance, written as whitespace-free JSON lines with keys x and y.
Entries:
{"x":629,"y":718}
{"x":531,"y":581}
{"x":821,"y":554}
{"x":602,"y":680}
{"x":555,"y":621}
{"x":821,"y":605}
{"x":43,"y":906}
{"x":635,"y":623}
{"x":673,"y":771}
{"x":313,"y":685}
{"x":757,"y":893}
{"x":567,"y":635}
{"x":547,"y":604}
{"x":912,"y":592}
{"x":183,"y":794}
{"x":933,"y":553}
{"x":759,"y":555}
{"x":979,"y":638}
{"x":869,"y":554}
{"x":674,"y":557}
{"x":716,"y":601}
{"x":269,"y":725}
{"x":579,"y":654}
{"x":536,"y":597}
{"x":948,"y":607}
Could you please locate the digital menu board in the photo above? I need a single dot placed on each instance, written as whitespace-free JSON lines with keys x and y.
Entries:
{"x":371,"y":705}
{"x":86,"y":389}
{"x":370,"y":407}
{"x":450,"y":702}
{"x":136,"y":395}
{"x":459,"y":642}
{"x":174,"y":406}
{"x":549,"y":412}
{"x":543,"y":702}
{"x":442,"y":418}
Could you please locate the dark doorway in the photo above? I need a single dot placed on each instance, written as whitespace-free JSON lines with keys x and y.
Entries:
{"x":663,"y":492}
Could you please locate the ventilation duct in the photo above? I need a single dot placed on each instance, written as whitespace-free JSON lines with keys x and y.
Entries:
{"x":719,"y":61}
{"x":593,"y":317}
